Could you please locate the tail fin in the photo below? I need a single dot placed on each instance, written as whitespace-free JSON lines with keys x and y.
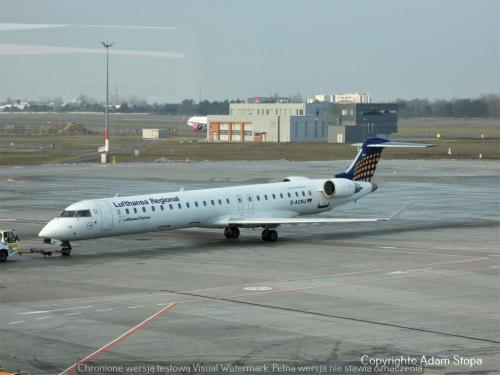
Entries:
{"x":364,"y":164}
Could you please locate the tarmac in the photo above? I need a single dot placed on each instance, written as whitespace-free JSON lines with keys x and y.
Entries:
{"x":422,"y":288}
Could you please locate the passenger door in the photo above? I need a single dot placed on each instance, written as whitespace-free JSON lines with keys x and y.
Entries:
{"x":250,"y":201}
{"x":105,"y":214}
{"x":241,"y":204}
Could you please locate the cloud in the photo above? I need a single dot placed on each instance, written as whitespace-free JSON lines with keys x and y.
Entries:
{"x":4,"y":26}
{"x":128,"y":27}
{"x":26,"y":26}
{"x":27,"y":49}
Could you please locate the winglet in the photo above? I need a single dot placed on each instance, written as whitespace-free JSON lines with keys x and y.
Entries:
{"x":394,"y":214}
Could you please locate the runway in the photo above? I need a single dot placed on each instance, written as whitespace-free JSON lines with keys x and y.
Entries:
{"x":425,"y":284}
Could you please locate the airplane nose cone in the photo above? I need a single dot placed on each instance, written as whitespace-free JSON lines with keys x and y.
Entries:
{"x":44,"y":233}
{"x":48,"y":231}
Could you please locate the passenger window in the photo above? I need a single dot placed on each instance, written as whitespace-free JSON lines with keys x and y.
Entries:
{"x":303,"y":193}
{"x":118,"y":210}
{"x":187,"y":204}
{"x":274,"y":196}
{"x":196,"y":204}
{"x":249,"y":199}
{"x":179,"y":205}
{"x":227,"y":201}
{"x":289,"y":195}
{"x":135,"y":210}
{"x":265,"y":197}
{"x":161,"y":207}
{"x":170,"y":206}
{"x":310,"y":193}
{"x":239,"y":200}
{"x":127,"y":211}
{"x":281,"y":195}
{"x":205,"y":203}
{"x":143,"y":209}
{"x":153,"y":208}
{"x":258,"y":198}
{"x":220,"y":202}
{"x":212,"y":201}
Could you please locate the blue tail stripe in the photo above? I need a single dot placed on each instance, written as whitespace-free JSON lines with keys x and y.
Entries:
{"x":363,"y":167}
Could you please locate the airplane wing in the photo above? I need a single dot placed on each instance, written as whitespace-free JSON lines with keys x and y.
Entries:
{"x":299,"y":220}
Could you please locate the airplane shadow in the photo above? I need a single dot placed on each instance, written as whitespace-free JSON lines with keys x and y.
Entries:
{"x":191,"y":242}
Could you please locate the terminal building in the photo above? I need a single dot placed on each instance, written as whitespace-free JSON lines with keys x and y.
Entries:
{"x":318,"y":121}
{"x":258,"y":122}
{"x":344,"y":123}
{"x":358,"y":121}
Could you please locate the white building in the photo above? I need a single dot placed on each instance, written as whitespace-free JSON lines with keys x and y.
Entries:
{"x":154,"y":133}
{"x":18,"y":105}
{"x":352,"y":98}
{"x":262,"y":122}
{"x":321,"y":98}
{"x":341,"y":98}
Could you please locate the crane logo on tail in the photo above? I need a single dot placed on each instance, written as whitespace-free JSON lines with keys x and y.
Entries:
{"x":365,"y":167}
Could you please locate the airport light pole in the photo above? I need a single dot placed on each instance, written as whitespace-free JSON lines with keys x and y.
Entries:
{"x":107,"y":45}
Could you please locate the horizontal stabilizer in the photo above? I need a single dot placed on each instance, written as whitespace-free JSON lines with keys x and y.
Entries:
{"x":395,"y":145}
{"x":363,"y":166}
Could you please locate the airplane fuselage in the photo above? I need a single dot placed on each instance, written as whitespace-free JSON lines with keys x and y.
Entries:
{"x":209,"y":208}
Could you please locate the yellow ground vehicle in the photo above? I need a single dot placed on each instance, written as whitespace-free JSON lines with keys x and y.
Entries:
{"x":9,"y":244}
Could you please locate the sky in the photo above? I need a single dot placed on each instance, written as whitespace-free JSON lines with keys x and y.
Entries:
{"x":168,"y":50}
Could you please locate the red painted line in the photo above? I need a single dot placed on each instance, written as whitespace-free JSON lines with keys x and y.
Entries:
{"x":133,"y":296}
{"x":327,"y":275}
{"x":360,"y":282}
{"x":120,"y":338}
{"x":458,"y":261}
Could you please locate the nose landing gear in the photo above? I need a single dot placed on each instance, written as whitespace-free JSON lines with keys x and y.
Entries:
{"x":66,"y":249}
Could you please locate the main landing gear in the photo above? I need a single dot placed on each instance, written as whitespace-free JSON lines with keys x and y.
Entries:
{"x":232,"y":232}
{"x":66,"y":249}
{"x":269,"y":235}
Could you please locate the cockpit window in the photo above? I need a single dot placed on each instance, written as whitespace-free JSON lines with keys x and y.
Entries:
{"x":80,"y":213}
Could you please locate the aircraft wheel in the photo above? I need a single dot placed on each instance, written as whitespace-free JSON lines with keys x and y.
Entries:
{"x":66,"y":251}
{"x":265,"y":235}
{"x":235,"y":233}
{"x":232,"y":232}
{"x":272,"y":236}
{"x":3,"y":255}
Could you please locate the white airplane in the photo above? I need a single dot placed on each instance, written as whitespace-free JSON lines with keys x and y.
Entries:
{"x":250,"y":206}
{"x":198,"y":123}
